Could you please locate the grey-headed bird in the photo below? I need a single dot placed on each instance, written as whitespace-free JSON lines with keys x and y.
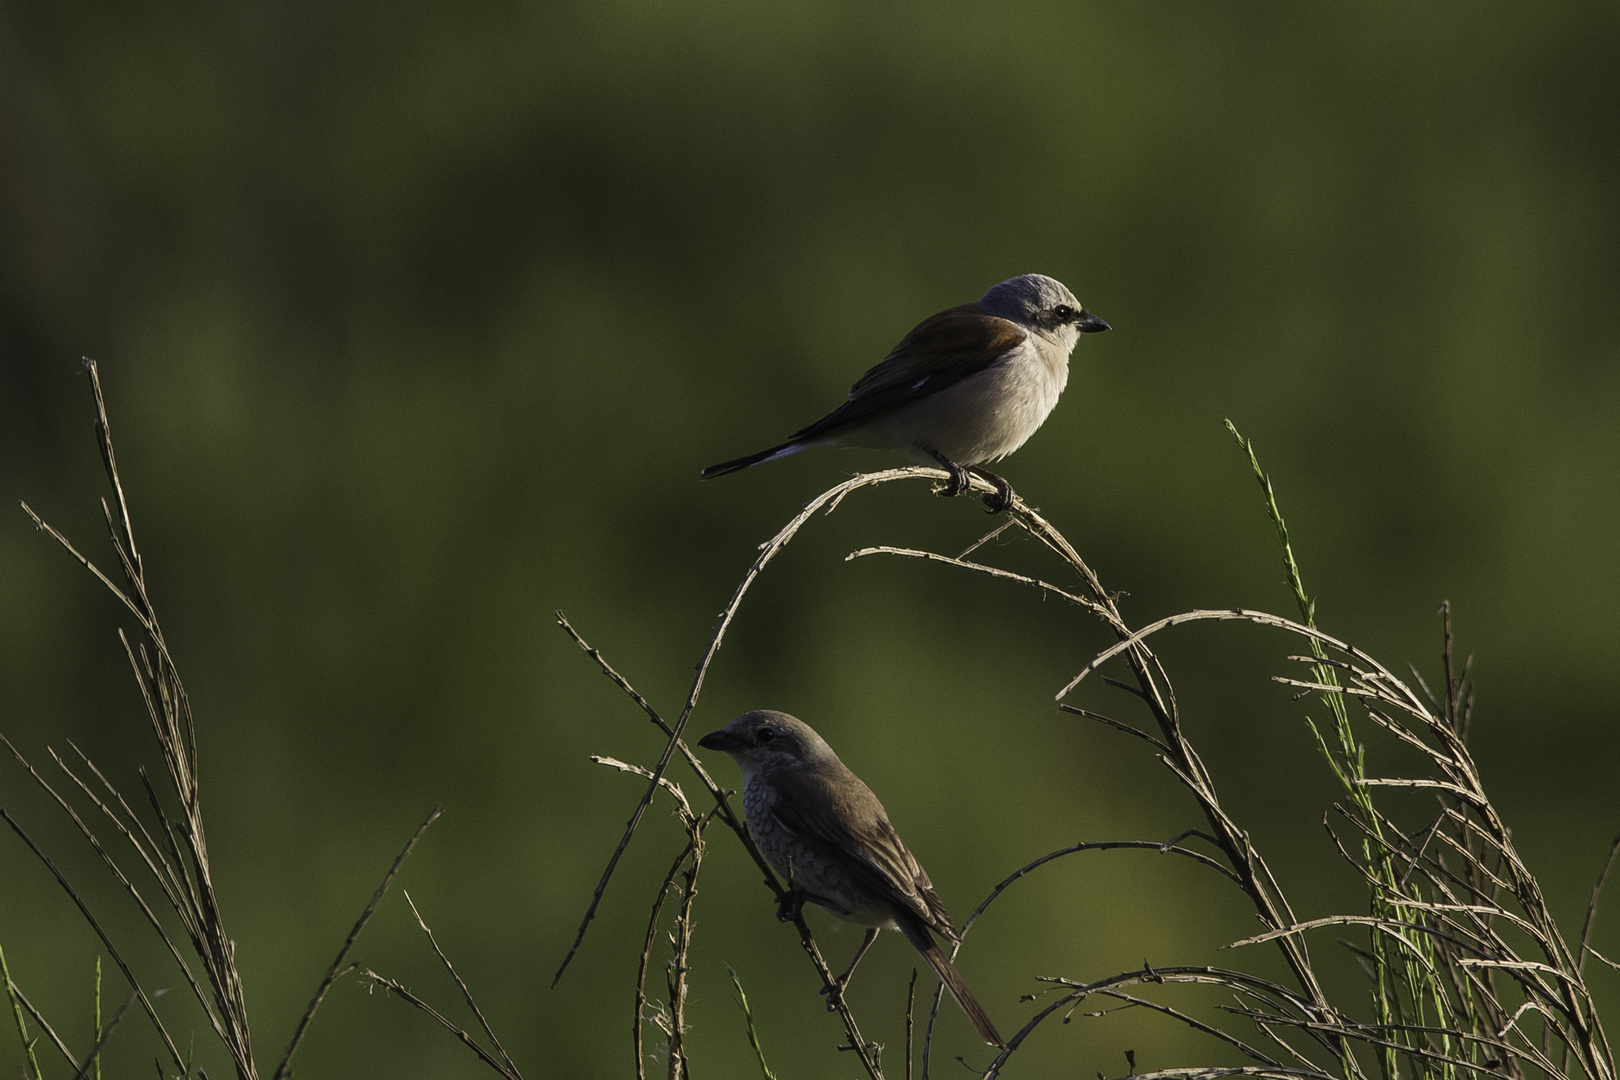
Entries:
{"x":824,"y":830}
{"x":966,"y":386}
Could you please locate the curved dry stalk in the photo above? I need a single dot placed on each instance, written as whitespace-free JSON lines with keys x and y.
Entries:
{"x":640,"y":1012}
{"x":1554,"y":983}
{"x":333,"y":973}
{"x":1170,"y":847}
{"x":1112,"y":986}
{"x":374,"y":981}
{"x":188,"y":872}
{"x":1163,"y":847}
{"x":992,"y":571}
{"x":1263,"y":1072}
{"x":1153,"y":687}
{"x":1592,"y":906}
{"x":1350,"y":920}
{"x":466,"y":994}
{"x":21,"y":1004}
{"x":112,"y":950}
{"x":1196,"y":1024}
{"x":504,"y":1064}
{"x":829,"y":500}
{"x":1262,"y":618}
{"x":129,"y":887}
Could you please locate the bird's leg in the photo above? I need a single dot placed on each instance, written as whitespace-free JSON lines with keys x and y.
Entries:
{"x":791,"y":900}
{"x":958,"y":482}
{"x":788,"y":908}
{"x":1003,"y":496}
{"x":836,"y":990}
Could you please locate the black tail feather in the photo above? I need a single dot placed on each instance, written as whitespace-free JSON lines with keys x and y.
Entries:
{"x":752,"y":459}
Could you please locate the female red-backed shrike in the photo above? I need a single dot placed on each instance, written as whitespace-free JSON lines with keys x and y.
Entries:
{"x":968,"y":385}
{"x":824,"y":830}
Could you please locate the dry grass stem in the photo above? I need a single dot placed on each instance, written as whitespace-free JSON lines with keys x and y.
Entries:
{"x":112,"y":950}
{"x":466,"y":994}
{"x":92,"y":1060}
{"x":174,"y":850}
{"x":337,"y":969}
{"x":374,"y":981}
{"x":19,"y":1005}
{"x":181,"y":868}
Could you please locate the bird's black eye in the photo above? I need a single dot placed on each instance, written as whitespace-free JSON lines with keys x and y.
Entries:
{"x":765,"y":735}
{"x":1064,"y":313}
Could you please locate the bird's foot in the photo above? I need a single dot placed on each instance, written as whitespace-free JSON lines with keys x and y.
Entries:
{"x":959,"y":481}
{"x":999,"y":500}
{"x":834,"y":993}
{"x":788,"y":908}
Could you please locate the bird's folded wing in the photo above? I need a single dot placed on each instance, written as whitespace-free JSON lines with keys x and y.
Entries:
{"x":850,"y":829}
{"x":939,"y":352}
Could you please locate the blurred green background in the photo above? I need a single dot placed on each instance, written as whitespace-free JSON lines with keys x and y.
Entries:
{"x":417,"y":322}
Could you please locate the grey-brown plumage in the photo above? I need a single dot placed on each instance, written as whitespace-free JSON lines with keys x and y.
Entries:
{"x":824,"y":830}
{"x":966,"y":386}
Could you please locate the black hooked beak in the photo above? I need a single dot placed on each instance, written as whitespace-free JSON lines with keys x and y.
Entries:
{"x":719,"y":740}
{"x":1090,"y":324}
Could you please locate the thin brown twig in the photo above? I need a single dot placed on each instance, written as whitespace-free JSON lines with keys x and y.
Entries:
{"x":1592,"y":905}
{"x":1155,"y":690}
{"x":95,"y":924}
{"x":911,"y":1003}
{"x":1193,"y":1022}
{"x":1108,"y":721}
{"x":991,"y":571}
{"x":123,"y":879}
{"x":683,"y":809}
{"x":375,"y":980}
{"x":676,"y":971}
{"x":646,"y":956}
{"x":1178,"y":974}
{"x":44,"y":1025}
{"x":466,"y":994}
{"x":169,"y":712}
{"x":1164,"y":848}
{"x":157,"y":863}
{"x":102,"y":1037}
{"x":336,"y":970}
{"x":653,"y":777}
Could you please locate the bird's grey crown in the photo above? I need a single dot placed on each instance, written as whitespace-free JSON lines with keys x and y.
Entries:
{"x":794,"y":742}
{"x":1023,"y":298}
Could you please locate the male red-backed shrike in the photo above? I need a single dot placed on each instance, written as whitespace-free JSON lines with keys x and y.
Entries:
{"x":968,"y":385}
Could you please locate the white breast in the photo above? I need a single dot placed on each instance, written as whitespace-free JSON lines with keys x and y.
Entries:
{"x":989,"y":415}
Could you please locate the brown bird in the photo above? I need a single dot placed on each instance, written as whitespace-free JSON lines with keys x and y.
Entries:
{"x":967,"y":385}
{"x":824,"y":830}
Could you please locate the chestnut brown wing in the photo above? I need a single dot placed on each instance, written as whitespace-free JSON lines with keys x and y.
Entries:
{"x":940,"y":351}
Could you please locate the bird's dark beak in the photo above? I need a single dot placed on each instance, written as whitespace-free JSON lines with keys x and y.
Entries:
{"x":719,"y":740}
{"x":1090,"y":324}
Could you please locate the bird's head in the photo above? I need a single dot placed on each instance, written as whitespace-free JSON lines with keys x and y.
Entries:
{"x":1044,"y":305}
{"x":767,"y":740}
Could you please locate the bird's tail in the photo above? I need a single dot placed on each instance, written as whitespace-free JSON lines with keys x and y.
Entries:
{"x":753,"y":459}
{"x":924,"y":942}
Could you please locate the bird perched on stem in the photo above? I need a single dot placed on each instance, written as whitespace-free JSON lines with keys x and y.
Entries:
{"x":824,"y":830}
{"x":966,"y":386}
